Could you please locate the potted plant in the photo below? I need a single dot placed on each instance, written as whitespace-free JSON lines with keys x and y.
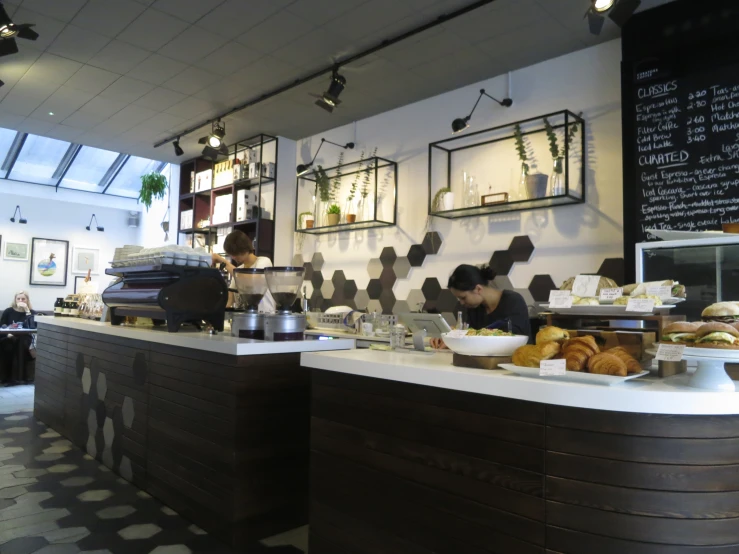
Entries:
{"x":333,"y":214}
{"x":153,"y":186}
{"x":306,"y":220}
{"x":443,"y":200}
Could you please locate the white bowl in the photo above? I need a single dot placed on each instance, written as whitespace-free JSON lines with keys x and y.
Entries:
{"x":485,"y":346}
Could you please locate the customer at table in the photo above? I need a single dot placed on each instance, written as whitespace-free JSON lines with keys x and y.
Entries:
{"x":19,"y":312}
{"x":485,"y":306}
{"x":240,"y":249}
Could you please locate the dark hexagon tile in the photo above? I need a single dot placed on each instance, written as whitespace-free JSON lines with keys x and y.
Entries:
{"x":430,"y":307}
{"x":432,"y":242}
{"x":501,"y":262}
{"x":350,"y":289}
{"x":308,"y":275}
{"x":388,"y":256}
{"x":387,"y":301}
{"x":387,"y":278}
{"x":416,"y":255}
{"x":100,"y":413}
{"x":613,"y":268}
{"x":316,"y":300}
{"x":431,"y":289}
{"x":374,"y":289}
{"x":447,"y":302}
{"x":540,"y":286}
{"x":338,"y":279}
{"x":317,"y":261}
{"x":317,"y":280}
{"x":80,"y":365}
{"x":140,"y":369}
{"x":521,"y":248}
{"x":402,"y":267}
{"x":337,"y":298}
{"x":326,"y":304}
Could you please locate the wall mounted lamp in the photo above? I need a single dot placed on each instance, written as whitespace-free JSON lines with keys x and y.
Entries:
{"x":98,"y":227}
{"x":619,"y":11}
{"x":330,"y":99}
{"x":302,"y":169}
{"x":21,"y":219}
{"x":461,"y":123}
{"x":178,"y":151}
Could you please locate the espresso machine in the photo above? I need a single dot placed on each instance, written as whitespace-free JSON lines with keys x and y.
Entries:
{"x":251,"y":284}
{"x":284,"y":283}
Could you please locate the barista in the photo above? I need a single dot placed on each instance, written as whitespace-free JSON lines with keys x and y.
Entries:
{"x":240,"y":249}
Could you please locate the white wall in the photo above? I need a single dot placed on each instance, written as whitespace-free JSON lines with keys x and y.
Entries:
{"x":285,"y":212}
{"x":568,"y":239}
{"x":55,"y":217}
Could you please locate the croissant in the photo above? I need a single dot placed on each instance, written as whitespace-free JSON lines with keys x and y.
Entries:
{"x":607,"y":364}
{"x":576,"y":359}
{"x":532,"y":355}
{"x":632,"y":364}
{"x":588,"y":341}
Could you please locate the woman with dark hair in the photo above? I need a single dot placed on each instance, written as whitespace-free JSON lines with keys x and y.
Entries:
{"x":487,"y":307}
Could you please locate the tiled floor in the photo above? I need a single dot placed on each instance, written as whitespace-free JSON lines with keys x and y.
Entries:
{"x":55,"y":499}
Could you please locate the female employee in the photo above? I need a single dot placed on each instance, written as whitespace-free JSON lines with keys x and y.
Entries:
{"x":241,"y":250}
{"x":20,"y":311}
{"x":487,"y":307}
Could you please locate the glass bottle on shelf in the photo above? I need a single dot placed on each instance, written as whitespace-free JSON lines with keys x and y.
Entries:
{"x":237,"y":169}
{"x":521,"y":193}
{"x":558,"y":187}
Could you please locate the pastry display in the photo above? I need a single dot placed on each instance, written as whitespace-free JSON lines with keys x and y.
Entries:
{"x":632,"y":364}
{"x":607,"y":364}
{"x":724,"y":312}
{"x":532,"y":355}
{"x":603,"y":283}
{"x":681,"y":332}
{"x":578,"y":351}
{"x":717,"y":335}
{"x":549,"y":334}
{"x":624,"y":300}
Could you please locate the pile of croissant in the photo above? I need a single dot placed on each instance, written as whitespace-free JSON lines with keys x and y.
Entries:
{"x":580,"y":353}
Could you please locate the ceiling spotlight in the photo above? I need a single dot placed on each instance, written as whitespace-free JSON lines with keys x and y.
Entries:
{"x":178,"y":151}
{"x":461,"y":123}
{"x":619,"y":11}
{"x":330,"y":99}
{"x":214,"y":146}
{"x":9,"y":30}
{"x":21,"y":220}
{"x":98,"y":227}
{"x":302,"y":169}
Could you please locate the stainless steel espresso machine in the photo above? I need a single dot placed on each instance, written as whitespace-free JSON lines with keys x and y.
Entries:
{"x":252,"y":286}
{"x":284,"y":283}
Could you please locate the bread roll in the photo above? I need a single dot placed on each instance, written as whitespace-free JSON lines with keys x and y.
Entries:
{"x":607,"y":364}
{"x":549,"y":334}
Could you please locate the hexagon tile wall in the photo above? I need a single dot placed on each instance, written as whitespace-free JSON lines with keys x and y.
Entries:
{"x":385,"y":271}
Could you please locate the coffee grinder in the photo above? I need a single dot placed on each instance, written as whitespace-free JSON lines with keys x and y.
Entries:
{"x":252,"y":286}
{"x":284,"y":283}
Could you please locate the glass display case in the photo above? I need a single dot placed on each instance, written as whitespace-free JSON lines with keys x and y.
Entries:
{"x":708,"y":267}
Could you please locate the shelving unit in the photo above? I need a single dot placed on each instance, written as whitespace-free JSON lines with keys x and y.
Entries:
{"x":491,"y":157}
{"x":374,"y":204}
{"x":262,"y":229}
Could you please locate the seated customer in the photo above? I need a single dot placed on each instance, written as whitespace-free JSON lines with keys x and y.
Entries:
{"x":20,"y":311}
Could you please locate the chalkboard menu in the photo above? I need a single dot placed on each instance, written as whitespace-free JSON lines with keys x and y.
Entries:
{"x":687,"y":150}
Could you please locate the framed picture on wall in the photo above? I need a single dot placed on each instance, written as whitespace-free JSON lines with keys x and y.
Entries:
{"x":49,"y":259}
{"x":80,"y":287}
{"x":15,"y":251}
{"x":85,"y":259}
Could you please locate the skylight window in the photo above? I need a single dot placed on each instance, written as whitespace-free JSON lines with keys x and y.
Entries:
{"x":128,"y":181}
{"x":88,"y":169}
{"x":38,"y":160}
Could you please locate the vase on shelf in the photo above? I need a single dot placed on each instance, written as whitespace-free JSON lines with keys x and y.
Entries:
{"x":536,"y":185}
{"x":521,"y":193}
{"x":319,"y":213}
{"x":558,"y":187}
{"x":349,"y":213}
{"x":363,"y":208}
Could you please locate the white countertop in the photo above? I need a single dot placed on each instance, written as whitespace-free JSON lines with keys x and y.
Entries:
{"x":222,"y":343}
{"x":643,"y":395}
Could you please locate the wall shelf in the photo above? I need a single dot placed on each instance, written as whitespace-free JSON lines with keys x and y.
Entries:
{"x":491,"y":158}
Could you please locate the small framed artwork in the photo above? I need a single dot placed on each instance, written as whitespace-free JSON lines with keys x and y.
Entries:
{"x":85,"y":259}
{"x":49,"y":258}
{"x":494,"y":198}
{"x":15,"y":251}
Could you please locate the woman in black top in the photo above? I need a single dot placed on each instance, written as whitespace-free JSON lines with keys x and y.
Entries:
{"x":20,"y":311}
{"x":487,"y":307}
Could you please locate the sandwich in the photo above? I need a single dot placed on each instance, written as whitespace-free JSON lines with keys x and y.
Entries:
{"x":717,"y":335}
{"x":724,"y":312}
{"x":681,"y":332}
{"x":624,"y":300}
{"x":636,"y":289}
{"x":586,"y":302}
{"x":603,"y":283}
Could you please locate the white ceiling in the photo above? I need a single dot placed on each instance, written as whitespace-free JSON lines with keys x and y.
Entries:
{"x":122,"y":74}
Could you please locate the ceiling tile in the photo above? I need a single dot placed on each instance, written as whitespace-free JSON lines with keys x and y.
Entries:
{"x":10,"y":121}
{"x":63,"y":132}
{"x":92,"y":79}
{"x":17,"y":66}
{"x":126,"y":90}
{"x":229,"y":58}
{"x":157,"y":69}
{"x":35,"y":126}
{"x":190,"y":108}
{"x":83,"y":121}
{"x":78,"y":44}
{"x":127,"y":118}
{"x":160,"y":99}
{"x":221,"y":92}
{"x":63,"y":103}
{"x":191,"y":81}
{"x":140,"y":133}
{"x":152,"y":30}
{"x":101,"y":107}
{"x":35,"y":87}
{"x":189,"y":10}
{"x":320,"y":12}
{"x":47,"y":27}
{"x":53,"y":69}
{"x":192,"y":45}
{"x":119,"y":57}
{"x":267,"y":70}
{"x":163,"y":122}
{"x":107,"y":17}
{"x":490,"y":21}
{"x":282,"y":28}
{"x":63,"y":11}
{"x":374,"y":16}
{"x":426,"y":50}
{"x":234,"y":17}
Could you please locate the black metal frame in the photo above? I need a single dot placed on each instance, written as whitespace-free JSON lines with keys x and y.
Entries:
{"x":378,"y":163}
{"x":516,"y":205}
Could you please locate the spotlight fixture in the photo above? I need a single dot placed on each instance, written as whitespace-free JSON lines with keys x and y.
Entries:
{"x":9,"y":30}
{"x":214,"y":146}
{"x":21,"y":219}
{"x":619,"y":11}
{"x":98,"y":227}
{"x":178,"y":151}
{"x":302,"y":169}
{"x":461,"y":123}
{"x":330,"y":99}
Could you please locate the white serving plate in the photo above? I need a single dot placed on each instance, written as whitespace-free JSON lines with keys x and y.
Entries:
{"x":667,"y":234}
{"x":665,"y":301}
{"x":485,"y":346}
{"x":573,"y":376}
{"x":605,"y":310}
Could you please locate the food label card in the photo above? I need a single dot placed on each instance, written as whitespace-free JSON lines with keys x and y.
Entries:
{"x":642,"y":305}
{"x":609,"y":295}
{"x":552,"y":367}
{"x":586,"y":285}
{"x":560,"y":299}
{"x":670,"y":352}
{"x":662,"y":292}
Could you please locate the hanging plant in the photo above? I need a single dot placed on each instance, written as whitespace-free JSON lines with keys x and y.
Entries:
{"x":367,"y":174}
{"x":323,"y":183}
{"x":521,"y":148}
{"x":355,"y":182}
{"x":336,"y":181}
{"x":153,"y":186}
{"x":572,"y":131}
